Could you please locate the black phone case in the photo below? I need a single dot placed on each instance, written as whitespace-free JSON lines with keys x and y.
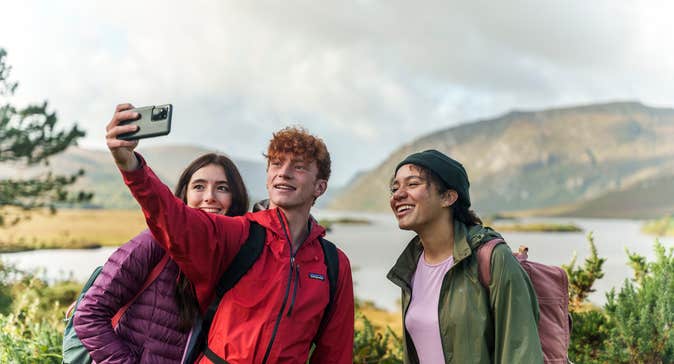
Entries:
{"x":149,"y":124}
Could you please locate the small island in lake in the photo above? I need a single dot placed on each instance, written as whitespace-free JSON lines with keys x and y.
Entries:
{"x":661,"y":227}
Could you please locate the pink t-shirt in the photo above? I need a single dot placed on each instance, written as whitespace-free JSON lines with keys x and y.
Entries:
{"x":421,"y":320}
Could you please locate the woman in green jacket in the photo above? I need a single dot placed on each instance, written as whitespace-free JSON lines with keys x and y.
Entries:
{"x":448,"y":316}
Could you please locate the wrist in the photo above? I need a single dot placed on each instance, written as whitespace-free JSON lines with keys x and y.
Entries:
{"x":129,"y":164}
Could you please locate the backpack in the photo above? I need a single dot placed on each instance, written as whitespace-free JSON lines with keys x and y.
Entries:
{"x":73,"y":350}
{"x":552,"y":291}
{"x":247,"y":256}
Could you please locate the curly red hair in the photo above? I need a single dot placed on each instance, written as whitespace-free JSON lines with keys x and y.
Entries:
{"x":298,"y":142}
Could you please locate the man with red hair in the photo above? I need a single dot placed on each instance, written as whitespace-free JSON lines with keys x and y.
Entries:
{"x":276,"y":310}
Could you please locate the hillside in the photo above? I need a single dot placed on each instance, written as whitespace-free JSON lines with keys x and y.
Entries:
{"x":581,"y":161}
{"x":103,"y":178}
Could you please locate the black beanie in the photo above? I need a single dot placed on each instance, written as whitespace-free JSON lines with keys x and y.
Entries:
{"x":451,"y":172}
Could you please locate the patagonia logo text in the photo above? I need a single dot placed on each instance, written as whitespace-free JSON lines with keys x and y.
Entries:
{"x":320,"y":277}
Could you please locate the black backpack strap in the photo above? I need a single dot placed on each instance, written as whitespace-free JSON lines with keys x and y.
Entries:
{"x":247,"y":256}
{"x":331,"y":260}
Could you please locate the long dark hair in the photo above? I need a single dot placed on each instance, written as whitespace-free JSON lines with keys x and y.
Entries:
{"x":185,"y":295}
{"x":459,"y":211}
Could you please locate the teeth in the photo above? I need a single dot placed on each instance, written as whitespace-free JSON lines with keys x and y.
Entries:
{"x":211,"y":210}
{"x":284,"y":187}
{"x":404,"y":208}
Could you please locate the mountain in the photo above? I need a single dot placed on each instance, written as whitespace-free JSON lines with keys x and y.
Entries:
{"x":102,"y":177}
{"x":604,"y":160}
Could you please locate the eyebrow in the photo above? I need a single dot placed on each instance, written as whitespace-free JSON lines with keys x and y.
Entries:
{"x":411,"y":177}
{"x":201,"y":180}
{"x":408,"y":178}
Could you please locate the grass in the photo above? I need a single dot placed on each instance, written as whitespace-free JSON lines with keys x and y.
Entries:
{"x":72,"y":229}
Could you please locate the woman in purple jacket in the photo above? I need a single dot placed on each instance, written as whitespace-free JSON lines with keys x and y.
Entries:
{"x":155,"y":327}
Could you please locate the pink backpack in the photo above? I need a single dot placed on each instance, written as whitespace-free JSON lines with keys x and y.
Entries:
{"x":552,"y":290}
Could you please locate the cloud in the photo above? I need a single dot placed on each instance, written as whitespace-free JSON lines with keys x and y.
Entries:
{"x":365,"y":75}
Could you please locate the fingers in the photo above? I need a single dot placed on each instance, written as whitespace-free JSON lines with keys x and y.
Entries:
{"x":122,"y":107}
{"x":123,"y":112}
{"x":116,"y":129}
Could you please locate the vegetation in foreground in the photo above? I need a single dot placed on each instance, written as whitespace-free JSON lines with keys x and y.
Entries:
{"x":32,"y":311}
{"x":636,"y":325}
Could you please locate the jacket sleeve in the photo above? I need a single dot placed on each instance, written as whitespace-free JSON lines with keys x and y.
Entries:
{"x":121,"y":278}
{"x":335,"y":345}
{"x":515,"y":308}
{"x":201,"y":244}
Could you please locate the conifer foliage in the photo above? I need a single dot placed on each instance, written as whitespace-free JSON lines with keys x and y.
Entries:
{"x":28,"y":136}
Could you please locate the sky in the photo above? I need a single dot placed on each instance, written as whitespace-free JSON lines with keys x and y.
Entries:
{"x":367,"y":76}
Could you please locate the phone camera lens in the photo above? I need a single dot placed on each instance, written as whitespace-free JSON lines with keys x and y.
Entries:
{"x":159,"y":113}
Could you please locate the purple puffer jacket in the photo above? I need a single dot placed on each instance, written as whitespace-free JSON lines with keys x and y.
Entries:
{"x":149,"y":330}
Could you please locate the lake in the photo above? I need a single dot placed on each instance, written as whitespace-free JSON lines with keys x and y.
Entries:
{"x":372,"y":250}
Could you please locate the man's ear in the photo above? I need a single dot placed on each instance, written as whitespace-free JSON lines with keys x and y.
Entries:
{"x":320,"y":188}
{"x":449,"y":198}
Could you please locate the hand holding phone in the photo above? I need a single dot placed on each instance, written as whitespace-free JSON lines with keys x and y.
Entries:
{"x":152,"y":121}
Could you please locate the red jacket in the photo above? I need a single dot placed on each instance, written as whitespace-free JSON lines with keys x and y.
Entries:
{"x":269,"y":305}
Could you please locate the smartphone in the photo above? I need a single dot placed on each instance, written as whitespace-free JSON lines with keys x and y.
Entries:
{"x":152,"y":121}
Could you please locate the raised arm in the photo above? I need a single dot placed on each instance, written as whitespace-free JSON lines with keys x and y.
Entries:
{"x":202,"y":244}
{"x":335,"y":345}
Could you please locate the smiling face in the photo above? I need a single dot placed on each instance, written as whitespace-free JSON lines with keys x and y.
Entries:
{"x":208,"y":190}
{"x":293,"y":183}
{"x":416,"y":203}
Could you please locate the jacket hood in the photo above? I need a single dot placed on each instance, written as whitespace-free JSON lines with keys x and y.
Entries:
{"x":466,"y":240}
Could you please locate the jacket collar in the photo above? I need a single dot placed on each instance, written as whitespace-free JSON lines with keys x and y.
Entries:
{"x":466,"y":240}
{"x":274,"y":220}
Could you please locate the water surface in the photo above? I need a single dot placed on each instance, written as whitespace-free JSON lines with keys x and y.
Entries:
{"x":372,"y":250}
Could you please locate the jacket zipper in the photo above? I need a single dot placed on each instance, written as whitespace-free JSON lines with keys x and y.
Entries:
{"x":285,"y":297}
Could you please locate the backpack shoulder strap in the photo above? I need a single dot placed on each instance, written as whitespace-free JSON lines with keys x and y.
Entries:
{"x":331,"y":259}
{"x":332,"y":263}
{"x":484,"y":253}
{"x":243,"y":260}
{"x":148,"y":281}
{"x":247,"y":256}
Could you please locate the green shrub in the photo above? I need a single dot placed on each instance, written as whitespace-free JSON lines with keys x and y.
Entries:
{"x":590,"y":326}
{"x":371,"y":347}
{"x":581,"y":279}
{"x":642,"y":313}
{"x":29,"y":333}
{"x":590,"y":332}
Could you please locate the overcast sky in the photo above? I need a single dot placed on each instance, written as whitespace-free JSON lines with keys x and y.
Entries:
{"x":367,"y":75}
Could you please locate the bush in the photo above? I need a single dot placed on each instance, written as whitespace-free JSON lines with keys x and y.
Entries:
{"x":590,"y":325}
{"x":581,"y":279}
{"x":590,"y":332}
{"x":642,"y":313}
{"x":29,"y":333}
{"x":371,"y":347}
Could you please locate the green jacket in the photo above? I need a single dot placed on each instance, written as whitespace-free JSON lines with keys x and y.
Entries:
{"x":477,"y":326}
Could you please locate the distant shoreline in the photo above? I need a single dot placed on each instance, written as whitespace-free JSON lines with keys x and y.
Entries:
{"x":538,"y":227}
